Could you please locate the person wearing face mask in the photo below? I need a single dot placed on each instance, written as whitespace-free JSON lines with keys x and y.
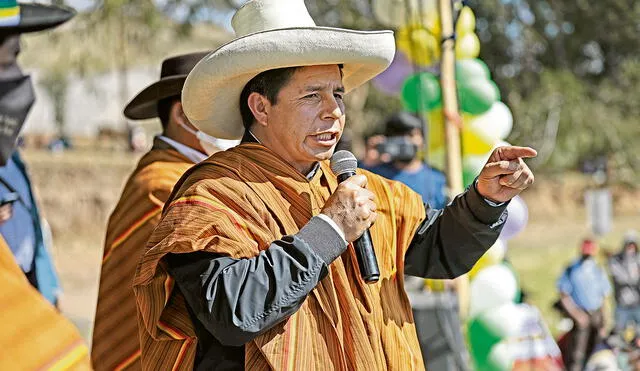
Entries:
{"x":35,"y":335}
{"x":625,"y":274}
{"x":395,"y":157}
{"x":181,"y":145}
{"x":22,"y":230}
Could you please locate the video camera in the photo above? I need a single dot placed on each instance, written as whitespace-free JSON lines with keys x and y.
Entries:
{"x":399,"y":148}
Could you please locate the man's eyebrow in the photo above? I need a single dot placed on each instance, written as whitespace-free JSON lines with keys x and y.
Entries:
{"x":313,"y":88}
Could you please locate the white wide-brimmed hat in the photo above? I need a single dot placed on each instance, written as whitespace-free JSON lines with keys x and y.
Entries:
{"x":273,"y":34}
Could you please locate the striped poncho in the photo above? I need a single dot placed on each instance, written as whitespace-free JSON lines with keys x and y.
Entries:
{"x":34,"y":336}
{"x":235,"y":204}
{"x":115,"y":335}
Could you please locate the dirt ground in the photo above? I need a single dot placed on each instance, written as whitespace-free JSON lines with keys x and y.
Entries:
{"x":77,"y":191}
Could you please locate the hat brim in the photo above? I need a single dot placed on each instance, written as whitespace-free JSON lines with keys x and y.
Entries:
{"x":145,"y":104}
{"x":39,"y":17}
{"x":211,"y":93}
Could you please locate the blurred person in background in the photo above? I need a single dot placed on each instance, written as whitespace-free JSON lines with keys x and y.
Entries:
{"x":583,"y":288}
{"x":625,"y":274}
{"x":35,"y":335}
{"x":394,"y":155}
{"x":180,"y":146}
{"x":25,"y":230}
{"x":435,"y":306}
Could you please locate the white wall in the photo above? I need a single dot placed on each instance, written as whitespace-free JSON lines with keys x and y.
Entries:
{"x":92,"y":103}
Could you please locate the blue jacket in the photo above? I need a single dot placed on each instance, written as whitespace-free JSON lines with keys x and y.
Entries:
{"x":46,"y":276}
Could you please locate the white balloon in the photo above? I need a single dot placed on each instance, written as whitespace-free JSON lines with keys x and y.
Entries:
{"x":492,"y":287}
{"x":393,"y":13}
{"x":475,"y":163}
{"x":517,"y":218}
{"x":501,"y":357}
{"x":498,"y":250}
{"x":495,"y":124}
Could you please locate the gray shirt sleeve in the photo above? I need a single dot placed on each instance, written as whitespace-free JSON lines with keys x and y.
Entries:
{"x":450,"y":241}
{"x":237,"y":299}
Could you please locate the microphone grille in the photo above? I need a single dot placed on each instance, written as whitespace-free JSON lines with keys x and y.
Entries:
{"x":343,"y":162}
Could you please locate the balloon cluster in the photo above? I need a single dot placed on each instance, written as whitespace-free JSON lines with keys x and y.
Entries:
{"x":494,"y":291}
{"x":485,"y":123}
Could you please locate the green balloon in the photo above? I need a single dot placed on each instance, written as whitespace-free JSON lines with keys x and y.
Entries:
{"x":468,"y":177}
{"x":471,"y":69}
{"x":481,"y":339}
{"x":421,"y":92}
{"x":477,"y":95}
{"x":490,"y":328}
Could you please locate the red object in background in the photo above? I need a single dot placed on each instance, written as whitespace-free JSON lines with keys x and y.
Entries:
{"x":588,"y":247}
{"x":564,"y":343}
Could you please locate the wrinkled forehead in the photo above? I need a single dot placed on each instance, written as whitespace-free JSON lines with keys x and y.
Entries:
{"x":9,"y":51}
{"x":327,"y":73}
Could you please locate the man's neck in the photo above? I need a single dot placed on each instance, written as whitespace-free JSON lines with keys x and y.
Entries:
{"x":189,"y":141}
{"x":308,"y":170}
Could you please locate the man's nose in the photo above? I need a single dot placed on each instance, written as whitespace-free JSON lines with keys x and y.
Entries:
{"x":332,"y":108}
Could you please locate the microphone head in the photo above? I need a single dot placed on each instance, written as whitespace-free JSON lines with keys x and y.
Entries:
{"x":343,"y":162}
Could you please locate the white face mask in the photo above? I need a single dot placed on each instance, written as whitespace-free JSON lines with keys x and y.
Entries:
{"x":210,"y":144}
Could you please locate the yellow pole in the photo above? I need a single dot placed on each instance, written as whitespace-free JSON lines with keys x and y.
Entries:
{"x":452,"y":122}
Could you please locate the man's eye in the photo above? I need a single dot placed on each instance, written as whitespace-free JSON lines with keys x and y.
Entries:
{"x":312,"y":96}
{"x":338,"y":96}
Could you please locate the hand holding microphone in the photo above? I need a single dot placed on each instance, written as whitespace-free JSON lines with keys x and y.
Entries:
{"x":352,"y":207}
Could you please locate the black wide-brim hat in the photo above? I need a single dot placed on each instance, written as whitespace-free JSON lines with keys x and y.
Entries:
{"x":32,"y":17}
{"x":173,"y":73}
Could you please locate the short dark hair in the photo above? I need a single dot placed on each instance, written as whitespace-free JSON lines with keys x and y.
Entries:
{"x":164,"y":109}
{"x":267,"y":83}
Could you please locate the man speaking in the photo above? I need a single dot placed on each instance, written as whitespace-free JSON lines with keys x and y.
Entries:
{"x":252,"y":266}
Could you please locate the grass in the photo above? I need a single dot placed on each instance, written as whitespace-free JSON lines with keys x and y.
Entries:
{"x":542,"y":251}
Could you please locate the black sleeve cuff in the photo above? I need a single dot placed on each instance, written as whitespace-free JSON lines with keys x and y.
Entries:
{"x":323,"y":239}
{"x":483,"y":212}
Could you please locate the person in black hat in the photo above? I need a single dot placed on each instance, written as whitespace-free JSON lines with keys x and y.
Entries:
{"x":23,"y":230}
{"x":36,"y":335}
{"x":181,"y":145}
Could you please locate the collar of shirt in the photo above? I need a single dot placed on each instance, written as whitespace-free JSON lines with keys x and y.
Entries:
{"x":188,"y":152}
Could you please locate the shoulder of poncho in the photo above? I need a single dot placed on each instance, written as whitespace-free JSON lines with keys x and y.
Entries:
{"x":227,"y":164}
{"x":158,"y":175}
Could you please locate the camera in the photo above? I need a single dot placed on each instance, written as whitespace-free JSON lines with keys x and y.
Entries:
{"x":399,"y":148}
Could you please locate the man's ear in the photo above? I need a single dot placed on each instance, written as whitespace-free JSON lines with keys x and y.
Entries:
{"x":177,"y":114}
{"x":260,"y":107}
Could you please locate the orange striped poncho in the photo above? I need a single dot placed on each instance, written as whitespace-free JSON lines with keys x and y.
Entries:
{"x":34,"y":335}
{"x":115,"y":336}
{"x":235,"y":204}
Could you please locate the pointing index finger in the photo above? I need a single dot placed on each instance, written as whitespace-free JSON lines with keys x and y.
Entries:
{"x":513,"y":152}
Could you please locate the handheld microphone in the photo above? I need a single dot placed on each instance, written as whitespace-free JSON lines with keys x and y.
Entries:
{"x":343,"y":165}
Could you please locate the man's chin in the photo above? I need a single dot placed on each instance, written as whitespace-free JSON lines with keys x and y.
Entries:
{"x":324,"y":155}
